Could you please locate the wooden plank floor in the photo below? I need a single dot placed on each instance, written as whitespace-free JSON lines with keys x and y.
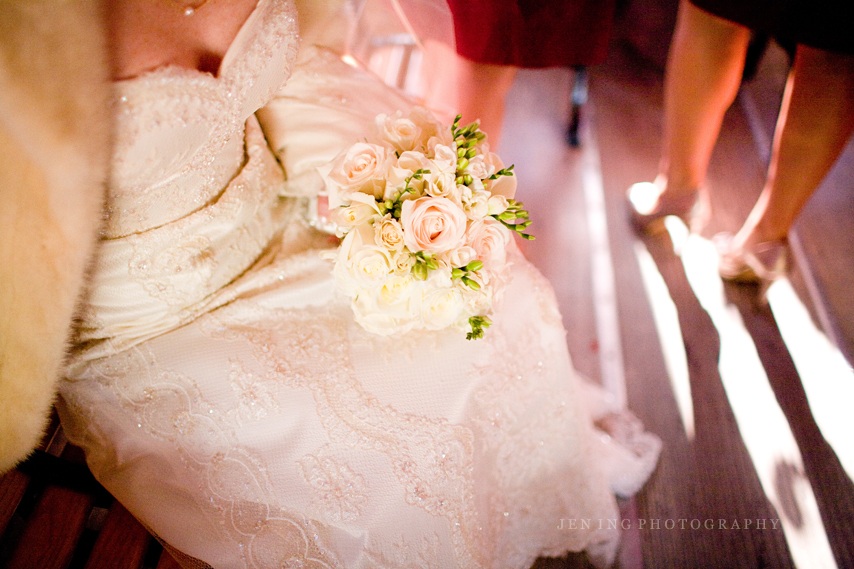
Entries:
{"x":752,"y":437}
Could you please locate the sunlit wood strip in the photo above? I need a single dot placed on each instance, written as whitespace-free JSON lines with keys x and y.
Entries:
{"x":670,"y":335}
{"x":764,"y":428}
{"x":825,"y":374}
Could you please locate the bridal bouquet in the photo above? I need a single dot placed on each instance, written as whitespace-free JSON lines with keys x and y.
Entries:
{"x":426,"y":213}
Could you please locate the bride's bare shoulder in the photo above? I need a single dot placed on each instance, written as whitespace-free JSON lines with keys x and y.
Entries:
{"x":147,"y":34}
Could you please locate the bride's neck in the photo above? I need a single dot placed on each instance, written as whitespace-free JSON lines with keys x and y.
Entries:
{"x":147,"y":34}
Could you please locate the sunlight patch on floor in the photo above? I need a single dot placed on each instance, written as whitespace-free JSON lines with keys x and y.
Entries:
{"x":670,"y":336}
{"x":826,"y":376}
{"x":762,"y":424}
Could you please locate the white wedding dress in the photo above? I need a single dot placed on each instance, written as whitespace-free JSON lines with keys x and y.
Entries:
{"x":224,"y":394}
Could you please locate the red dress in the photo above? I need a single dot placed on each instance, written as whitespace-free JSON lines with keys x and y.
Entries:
{"x":533,"y":33}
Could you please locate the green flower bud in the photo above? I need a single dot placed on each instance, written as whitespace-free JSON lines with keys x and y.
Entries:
{"x":419,"y":271}
{"x":471,"y":283}
{"x":475,"y":265}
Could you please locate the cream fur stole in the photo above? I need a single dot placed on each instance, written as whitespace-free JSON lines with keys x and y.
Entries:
{"x":54,"y":154}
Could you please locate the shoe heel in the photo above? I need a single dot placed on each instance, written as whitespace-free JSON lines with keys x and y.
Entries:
{"x":760,"y":265}
{"x":647,"y":212}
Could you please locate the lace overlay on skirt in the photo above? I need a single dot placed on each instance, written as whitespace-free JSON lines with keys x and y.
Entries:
{"x":289,"y":425}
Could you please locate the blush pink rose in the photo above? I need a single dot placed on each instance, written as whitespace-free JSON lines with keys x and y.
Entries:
{"x":489,"y":239}
{"x":432,"y":224}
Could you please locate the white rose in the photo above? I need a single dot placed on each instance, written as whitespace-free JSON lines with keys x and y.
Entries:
{"x":432,"y":131}
{"x":441,"y":308}
{"x":393,"y":308}
{"x":459,"y":257}
{"x":366,"y":314}
{"x":341,"y":271}
{"x":398,"y":297}
{"x":401,"y":262}
{"x":401,"y":133}
{"x":362,"y":168}
{"x":370,"y":265}
{"x":389,"y":233}
{"x":367,"y":264}
{"x":361,"y":209}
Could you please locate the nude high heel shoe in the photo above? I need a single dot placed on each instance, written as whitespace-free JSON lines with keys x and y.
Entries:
{"x":647,"y":211}
{"x":760,"y":264}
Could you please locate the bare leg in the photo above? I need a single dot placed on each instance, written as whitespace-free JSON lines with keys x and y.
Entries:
{"x":815,"y":123}
{"x":481,"y":91}
{"x":702,"y":78}
{"x":455,"y":85}
{"x":439,"y":79}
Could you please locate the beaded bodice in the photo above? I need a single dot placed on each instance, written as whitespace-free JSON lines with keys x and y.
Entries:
{"x":194,"y":194}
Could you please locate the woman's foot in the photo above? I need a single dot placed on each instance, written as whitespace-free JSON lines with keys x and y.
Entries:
{"x":649,"y":203}
{"x":759,"y":263}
